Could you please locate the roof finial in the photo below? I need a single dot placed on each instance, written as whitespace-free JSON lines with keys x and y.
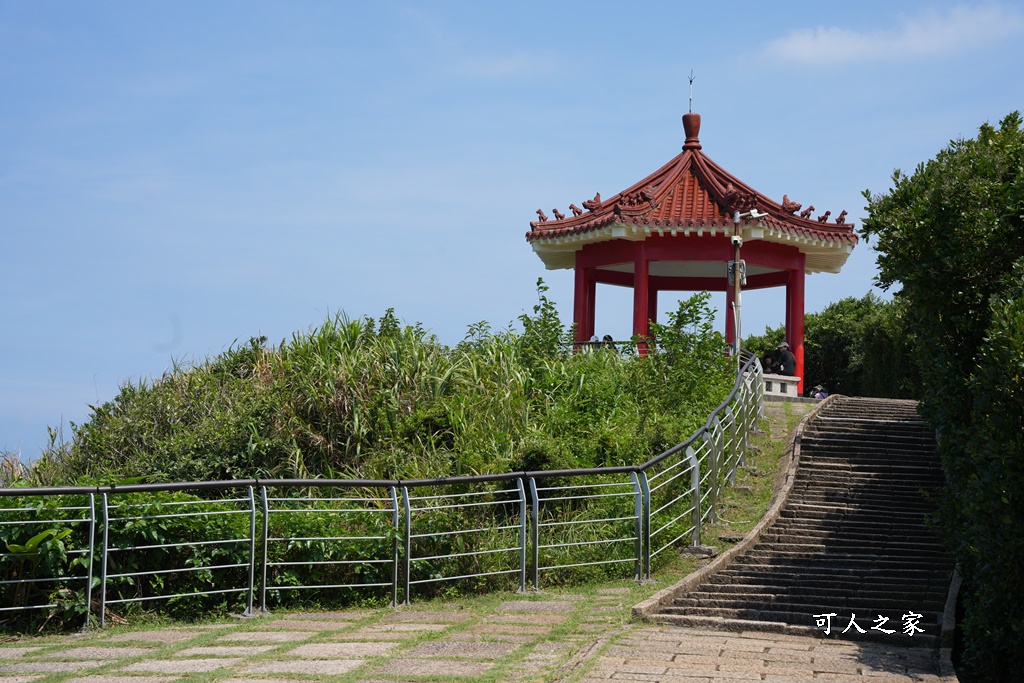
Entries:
{"x":691,"y":91}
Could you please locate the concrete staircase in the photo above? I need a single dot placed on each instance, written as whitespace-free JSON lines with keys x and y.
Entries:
{"x":850,"y":539}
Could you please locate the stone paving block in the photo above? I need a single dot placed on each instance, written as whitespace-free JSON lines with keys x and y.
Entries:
{"x":52,"y":667}
{"x":341,"y":615}
{"x":224,"y":651}
{"x":537,"y":619}
{"x":711,"y":674}
{"x":266,"y":636}
{"x":536,"y":606}
{"x":840,"y":678}
{"x":310,"y":667}
{"x":775,"y":654}
{"x":742,"y":654}
{"x":646,"y":656}
{"x":464,"y":650}
{"x":19,"y":679}
{"x":406,"y":627}
{"x":842,"y":666}
{"x":182,"y":666}
{"x":551,"y":647}
{"x":160,"y":636}
{"x":718,"y":672}
{"x":363,"y":635}
{"x":257,"y":680}
{"x":509,"y":628}
{"x":307,"y":625}
{"x":489,"y":638}
{"x":98,"y":652}
{"x":726,"y":663}
{"x":748,"y":645}
{"x":434,"y":667}
{"x":788,"y":669}
{"x":425,"y":617}
{"x":341,"y":650}
{"x":16,"y":652}
{"x":783,"y":678}
{"x":542,"y":657}
{"x":642,"y":669}
{"x":655,"y":646}
{"x":110,"y":678}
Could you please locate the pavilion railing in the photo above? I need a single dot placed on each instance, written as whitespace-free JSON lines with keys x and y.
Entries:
{"x":252,"y":545}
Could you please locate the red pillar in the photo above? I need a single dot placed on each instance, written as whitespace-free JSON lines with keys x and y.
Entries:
{"x":591,"y":303}
{"x":795,"y":319}
{"x":641,"y":284}
{"x":652,"y":303}
{"x":583,"y":302}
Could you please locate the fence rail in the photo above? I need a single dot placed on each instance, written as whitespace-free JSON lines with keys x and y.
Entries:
{"x":280,"y":538}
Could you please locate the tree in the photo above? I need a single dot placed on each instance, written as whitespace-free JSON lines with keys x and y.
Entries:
{"x":854,"y":347}
{"x":951,"y":237}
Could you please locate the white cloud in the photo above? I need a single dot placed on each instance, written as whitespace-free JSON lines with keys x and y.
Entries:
{"x":928,"y":35}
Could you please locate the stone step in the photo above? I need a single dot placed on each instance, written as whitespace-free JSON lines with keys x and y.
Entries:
{"x":872,"y":605}
{"x":852,"y":537}
{"x":801,"y":615}
{"x":819,"y":593}
{"x":897,"y":639}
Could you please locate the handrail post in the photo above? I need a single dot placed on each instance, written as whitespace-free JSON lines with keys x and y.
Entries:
{"x":717,"y":446}
{"x":265,"y":501}
{"x":645,"y":490}
{"x":408,"y":540}
{"x":522,"y":535}
{"x":638,"y":527}
{"x":535,"y":534}
{"x":103,"y":561}
{"x":691,"y":458}
{"x":252,"y":551}
{"x":394,"y":546}
{"x":92,"y":558}
{"x":731,"y":459}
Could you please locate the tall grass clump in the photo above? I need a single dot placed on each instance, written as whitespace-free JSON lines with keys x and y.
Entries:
{"x":378,"y":399}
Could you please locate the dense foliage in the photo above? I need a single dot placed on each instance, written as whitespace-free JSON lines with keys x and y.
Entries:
{"x":856,"y":347}
{"x":952,"y":237}
{"x":366,"y":399}
{"x":362,"y":399}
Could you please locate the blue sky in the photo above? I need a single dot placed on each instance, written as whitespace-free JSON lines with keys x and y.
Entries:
{"x":175,"y":176}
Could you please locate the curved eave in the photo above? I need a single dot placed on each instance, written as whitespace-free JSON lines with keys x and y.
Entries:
{"x":826,"y":251}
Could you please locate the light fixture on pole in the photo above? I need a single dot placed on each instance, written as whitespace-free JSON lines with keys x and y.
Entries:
{"x":738,"y":272}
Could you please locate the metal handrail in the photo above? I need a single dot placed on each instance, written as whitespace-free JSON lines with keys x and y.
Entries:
{"x":656,"y":506}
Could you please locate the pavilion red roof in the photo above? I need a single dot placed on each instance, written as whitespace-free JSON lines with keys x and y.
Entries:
{"x":692,"y":192}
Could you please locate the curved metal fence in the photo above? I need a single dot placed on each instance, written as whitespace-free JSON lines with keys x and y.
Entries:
{"x":254,"y":544}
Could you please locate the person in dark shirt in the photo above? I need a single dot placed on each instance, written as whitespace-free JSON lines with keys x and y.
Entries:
{"x":787,"y":361}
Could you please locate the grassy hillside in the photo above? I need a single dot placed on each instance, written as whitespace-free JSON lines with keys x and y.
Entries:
{"x":378,"y":399}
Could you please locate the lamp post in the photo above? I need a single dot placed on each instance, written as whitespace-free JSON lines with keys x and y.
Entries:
{"x":738,"y":273}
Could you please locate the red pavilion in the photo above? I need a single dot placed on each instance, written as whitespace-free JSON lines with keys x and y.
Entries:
{"x":678,"y":229}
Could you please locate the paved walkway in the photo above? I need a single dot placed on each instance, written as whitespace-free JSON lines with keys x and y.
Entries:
{"x":548,"y":637}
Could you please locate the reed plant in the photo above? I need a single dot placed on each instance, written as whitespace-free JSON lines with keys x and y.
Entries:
{"x":365,"y":398}
{"x":378,"y":399}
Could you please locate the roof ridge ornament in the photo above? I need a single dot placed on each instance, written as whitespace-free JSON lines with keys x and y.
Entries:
{"x":691,"y":125}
